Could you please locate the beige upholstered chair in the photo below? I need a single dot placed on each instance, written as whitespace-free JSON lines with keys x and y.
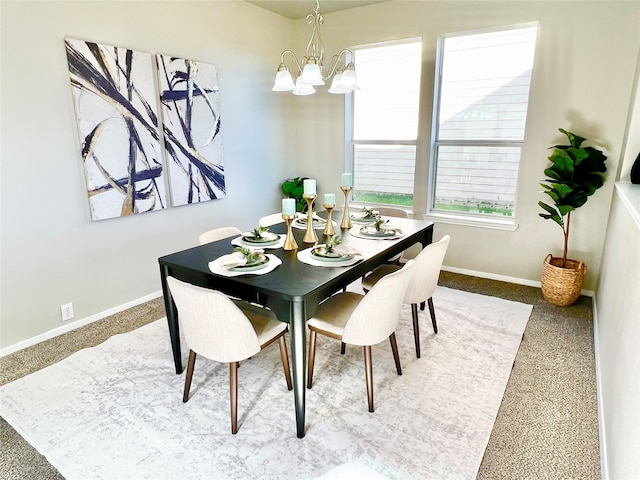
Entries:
{"x":393,"y":212}
{"x":269,"y":220}
{"x":218,"y":234}
{"x":363,"y":320}
{"x":423,"y":282}
{"x":225,"y":330}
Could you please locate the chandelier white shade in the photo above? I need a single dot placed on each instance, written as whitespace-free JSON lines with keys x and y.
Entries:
{"x":312,"y":65}
{"x":284,"y":82}
{"x":303,"y":88}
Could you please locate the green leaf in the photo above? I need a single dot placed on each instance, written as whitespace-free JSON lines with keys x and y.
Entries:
{"x":287,"y":188}
{"x":578,"y":154}
{"x":562,"y":164}
{"x":574,"y":139}
{"x":554,"y":196}
{"x":564,"y":209}
{"x":548,"y":208}
{"x":549,"y":172}
{"x":553,"y":214}
{"x":562,"y":189}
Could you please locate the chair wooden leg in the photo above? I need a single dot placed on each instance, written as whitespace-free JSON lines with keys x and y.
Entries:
{"x":394,"y":349}
{"x":312,"y":357}
{"x":187,"y":380}
{"x":343,"y":347}
{"x":285,"y":361}
{"x":432,"y":311}
{"x":416,"y":327}
{"x":233,"y":395}
{"x":368,"y":371}
{"x":422,"y":305}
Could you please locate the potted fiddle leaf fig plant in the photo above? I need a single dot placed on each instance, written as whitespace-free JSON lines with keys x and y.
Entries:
{"x":575,"y":173}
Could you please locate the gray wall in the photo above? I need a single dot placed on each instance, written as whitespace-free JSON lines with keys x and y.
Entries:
{"x":581,"y":81}
{"x":52,"y":253}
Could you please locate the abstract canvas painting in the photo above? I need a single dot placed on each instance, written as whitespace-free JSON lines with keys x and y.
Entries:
{"x":115,"y":101}
{"x":191,"y":116}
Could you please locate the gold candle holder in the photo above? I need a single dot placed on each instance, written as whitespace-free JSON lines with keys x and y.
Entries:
{"x":346,"y":218}
{"x":310,"y":235}
{"x":329,"y":230}
{"x":289,"y":241}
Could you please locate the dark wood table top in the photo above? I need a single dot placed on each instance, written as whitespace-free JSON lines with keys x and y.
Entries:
{"x":294,"y":280}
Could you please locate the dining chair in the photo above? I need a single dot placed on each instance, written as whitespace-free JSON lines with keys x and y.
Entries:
{"x":393,"y":212}
{"x":271,"y":219}
{"x":225,"y":330}
{"x":423,"y":282}
{"x":218,"y":234}
{"x":363,"y":320}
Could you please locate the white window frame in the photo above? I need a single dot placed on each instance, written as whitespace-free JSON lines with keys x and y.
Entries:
{"x":350,"y":142}
{"x":466,"y":218}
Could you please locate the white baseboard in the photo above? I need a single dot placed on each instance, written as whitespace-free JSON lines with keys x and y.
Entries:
{"x":503,"y":278}
{"x":604,"y":463}
{"x":491,"y":276}
{"x":77,"y":324}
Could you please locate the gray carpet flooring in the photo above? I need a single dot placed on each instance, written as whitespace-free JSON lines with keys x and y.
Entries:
{"x":546,"y":428}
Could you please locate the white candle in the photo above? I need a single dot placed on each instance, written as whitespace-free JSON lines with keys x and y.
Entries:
{"x":329,"y":198}
{"x":346,"y":180}
{"x":289,"y":206}
{"x":309,"y":187}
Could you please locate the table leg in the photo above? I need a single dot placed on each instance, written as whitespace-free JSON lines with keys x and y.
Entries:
{"x":297,"y":329}
{"x":172,"y":319}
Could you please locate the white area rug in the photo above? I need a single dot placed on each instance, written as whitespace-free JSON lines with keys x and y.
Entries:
{"x":115,"y":411}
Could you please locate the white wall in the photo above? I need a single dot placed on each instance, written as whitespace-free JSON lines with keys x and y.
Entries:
{"x":582,"y":80}
{"x":617,"y":334}
{"x":617,"y":315}
{"x":51,"y":251}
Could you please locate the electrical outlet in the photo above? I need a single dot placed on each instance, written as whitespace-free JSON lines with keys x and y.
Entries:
{"x":67,"y":311}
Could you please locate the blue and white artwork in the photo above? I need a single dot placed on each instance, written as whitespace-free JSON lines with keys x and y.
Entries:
{"x":115,"y":101}
{"x":191,"y":117}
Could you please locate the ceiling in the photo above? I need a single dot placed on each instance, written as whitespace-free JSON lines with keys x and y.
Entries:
{"x":295,"y":9}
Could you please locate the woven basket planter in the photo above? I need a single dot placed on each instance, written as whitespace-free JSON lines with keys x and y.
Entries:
{"x":562,"y":285}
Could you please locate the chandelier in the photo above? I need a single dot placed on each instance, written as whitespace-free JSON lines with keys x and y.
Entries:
{"x":310,"y":69}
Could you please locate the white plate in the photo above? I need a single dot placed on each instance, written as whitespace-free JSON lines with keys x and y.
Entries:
{"x":319,"y":253}
{"x":360,"y":219}
{"x":372,"y":232}
{"x":268,"y":238}
{"x":262,"y":262}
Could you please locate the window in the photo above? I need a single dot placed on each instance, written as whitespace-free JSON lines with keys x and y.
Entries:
{"x":482,"y":93}
{"x":385,"y":122}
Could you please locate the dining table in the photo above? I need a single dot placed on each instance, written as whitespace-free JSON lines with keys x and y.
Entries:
{"x":294,"y":289}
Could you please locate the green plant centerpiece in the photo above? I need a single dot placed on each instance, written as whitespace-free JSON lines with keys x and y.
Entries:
{"x":379,"y":221}
{"x":294,"y":188}
{"x":575,"y":173}
{"x":252,"y":256}
{"x":258,"y":231}
{"x":332,"y":243}
{"x":367,"y":212}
